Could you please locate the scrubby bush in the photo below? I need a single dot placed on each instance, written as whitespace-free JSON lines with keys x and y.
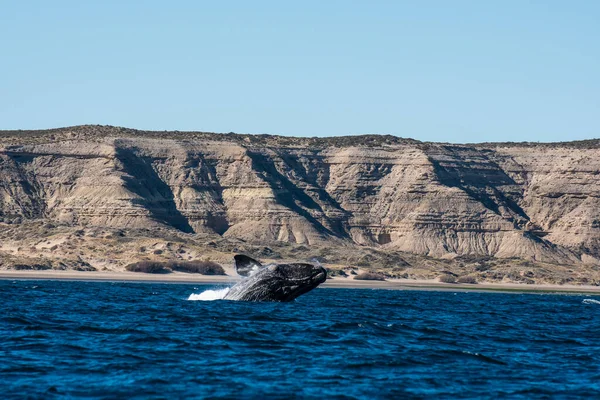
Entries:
{"x":447,"y":278}
{"x":36,"y":267}
{"x":197,"y":267}
{"x":148,"y":267}
{"x":335,"y":272}
{"x":369,"y":276}
{"x":84,"y":268}
{"x":467,"y":279}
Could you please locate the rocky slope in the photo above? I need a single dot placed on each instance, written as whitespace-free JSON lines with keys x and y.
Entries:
{"x":531,"y":202}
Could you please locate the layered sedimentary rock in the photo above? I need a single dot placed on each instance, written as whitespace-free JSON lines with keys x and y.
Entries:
{"x":536,"y":202}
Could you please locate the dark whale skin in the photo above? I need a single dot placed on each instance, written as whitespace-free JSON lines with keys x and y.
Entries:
{"x":280,"y":282}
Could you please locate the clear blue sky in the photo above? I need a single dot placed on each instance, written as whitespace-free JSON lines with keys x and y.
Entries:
{"x":458,"y":71}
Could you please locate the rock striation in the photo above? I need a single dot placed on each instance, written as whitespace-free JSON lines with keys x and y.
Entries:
{"x":538,"y":202}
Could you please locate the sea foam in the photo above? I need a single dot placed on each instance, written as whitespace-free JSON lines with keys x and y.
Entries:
{"x":209,"y":295}
{"x":590,"y":301}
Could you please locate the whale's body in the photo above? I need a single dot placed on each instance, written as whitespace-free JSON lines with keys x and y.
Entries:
{"x":275,"y":282}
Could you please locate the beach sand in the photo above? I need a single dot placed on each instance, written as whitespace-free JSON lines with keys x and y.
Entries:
{"x":393,"y":284}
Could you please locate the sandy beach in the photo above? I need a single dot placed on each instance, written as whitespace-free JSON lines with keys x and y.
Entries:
{"x":392,"y":284}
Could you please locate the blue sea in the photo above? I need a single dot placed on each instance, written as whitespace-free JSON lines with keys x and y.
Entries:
{"x":141,"y":340}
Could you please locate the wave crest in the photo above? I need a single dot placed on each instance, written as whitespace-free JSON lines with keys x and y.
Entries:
{"x":590,"y":301}
{"x":209,"y":295}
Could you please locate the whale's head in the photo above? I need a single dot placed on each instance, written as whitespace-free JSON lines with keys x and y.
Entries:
{"x":293,"y":280}
{"x":275,"y":282}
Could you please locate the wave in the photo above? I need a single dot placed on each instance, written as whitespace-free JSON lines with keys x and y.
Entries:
{"x":209,"y":295}
{"x":590,"y":301}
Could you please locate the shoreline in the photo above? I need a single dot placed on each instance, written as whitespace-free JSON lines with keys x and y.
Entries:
{"x":394,"y":284}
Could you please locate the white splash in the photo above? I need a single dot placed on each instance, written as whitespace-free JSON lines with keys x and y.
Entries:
{"x":590,"y":301}
{"x":255,"y":269}
{"x":209,"y":295}
{"x":316,"y":262}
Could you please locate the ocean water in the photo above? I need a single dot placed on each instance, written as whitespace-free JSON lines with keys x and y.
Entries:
{"x":139,"y":340}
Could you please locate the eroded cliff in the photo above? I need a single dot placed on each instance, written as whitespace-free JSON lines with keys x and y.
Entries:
{"x":525,"y":201}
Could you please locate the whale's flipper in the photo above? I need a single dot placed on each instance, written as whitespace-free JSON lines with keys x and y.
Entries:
{"x":246,"y":266}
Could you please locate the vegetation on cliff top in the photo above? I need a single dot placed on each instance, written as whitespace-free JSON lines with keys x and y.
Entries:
{"x":367,"y":140}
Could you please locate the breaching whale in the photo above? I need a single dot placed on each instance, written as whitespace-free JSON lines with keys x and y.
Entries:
{"x":274,"y":282}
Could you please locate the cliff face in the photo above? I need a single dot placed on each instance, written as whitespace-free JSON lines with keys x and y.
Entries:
{"x":534,"y":202}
